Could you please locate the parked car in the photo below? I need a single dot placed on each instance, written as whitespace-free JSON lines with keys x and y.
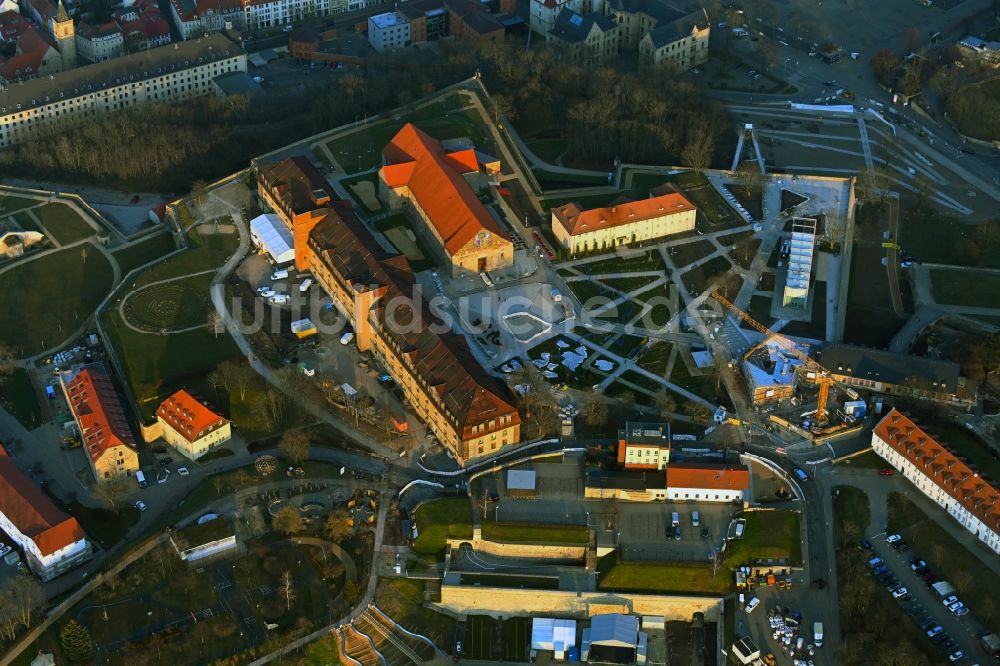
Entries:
{"x":956,"y":656}
{"x":961,"y":611}
{"x":139,"y":504}
{"x":917,"y":565}
{"x":754,"y":602}
{"x":886,"y":472}
{"x":937,"y":629}
{"x":949,"y":600}
{"x":183,"y":471}
{"x":258,"y":79}
{"x":704,"y":533}
{"x":166,"y":461}
{"x":866,"y":544}
{"x":899,"y":593}
{"x":287,"y":28}
{"x":893,"y":538}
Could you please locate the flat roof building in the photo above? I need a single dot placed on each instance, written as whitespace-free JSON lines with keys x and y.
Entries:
{"x":388,"y":31}
{"x":555,"y":635}
{"x":614,"y":638}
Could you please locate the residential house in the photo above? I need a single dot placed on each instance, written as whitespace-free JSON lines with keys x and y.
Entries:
{"x":100,"y":418}
{"x":51,"y":541}
{"x":195,"y":18}
{"x":97,"y":43}
{"x":584,"y":40}
{"x":644,"y":446}
{"x":697,"y":482}
{"x":953,"y":484}
{"x":439,"y":189}
{"x":142,"y":26}
{"x":680,"y":44}
{"x":27,"y":51}
{"x":270,"y":13}
{"x":191,"y":427}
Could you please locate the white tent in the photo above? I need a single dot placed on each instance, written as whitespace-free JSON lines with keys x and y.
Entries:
{"x":551,"y":634}
{"x":270,"y":234}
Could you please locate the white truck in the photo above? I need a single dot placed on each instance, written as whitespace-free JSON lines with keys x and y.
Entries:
{"x":817,"y":634}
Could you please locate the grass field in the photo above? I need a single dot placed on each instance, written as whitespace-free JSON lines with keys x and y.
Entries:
{"x":661,"y":577}
{"x":179,"y":304}
{"x":867,"y":460}
{"x":936,"y":237}
{"x":649,"y":261}
{"x":440,"y":520}
{"x":494,"y":640}
{"x":628,"y":284}
{"x":655,"y":358}
{"x":548,"y":149}
{"x":27,"y":223}
{"x":520,"y":533}
{"x":18,"y":397}
{"x":715,"y":209}
{"x":402,"y":599}
{"x":950,"y":559}
{"x":770,"y":535}
{"x":63,"y":223}
{"x":144,"y":251}
{"x":10,"y":203}
{"x":207,"y":250}
{"x":688,"y":253}
{"x":700,"y":278}
{"x":965,"y":288}
{"x":53,"y":295}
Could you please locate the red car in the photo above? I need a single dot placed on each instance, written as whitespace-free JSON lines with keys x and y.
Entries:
{"x":886,"y":472}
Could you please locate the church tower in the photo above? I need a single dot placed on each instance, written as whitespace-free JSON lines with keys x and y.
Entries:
{"x":65,"y":35}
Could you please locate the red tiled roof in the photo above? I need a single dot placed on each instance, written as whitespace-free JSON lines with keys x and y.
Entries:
{"x":940,"y":465}
{"x":188,"y":417}
{"x":577,"y":221}
{"x":710,"y":477}
{"x":88,"y":31}
{"x":297,"y":183}
{"x":434,"y":178}
{"x":98,"y":413}
{"x":32,"y":512}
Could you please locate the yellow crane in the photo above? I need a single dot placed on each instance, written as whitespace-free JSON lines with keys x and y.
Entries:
{"x":823,"y":377}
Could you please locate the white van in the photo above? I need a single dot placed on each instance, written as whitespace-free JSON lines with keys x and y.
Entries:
{"x":346,"y":338}
{"x":304,"y":287}
{"x":279,"y":274}
{"x":140,"y":478}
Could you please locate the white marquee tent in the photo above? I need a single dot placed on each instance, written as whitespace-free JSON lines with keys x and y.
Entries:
{"x":269,"y":233}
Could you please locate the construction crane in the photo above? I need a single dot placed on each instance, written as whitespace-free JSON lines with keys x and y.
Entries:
{"x":824,"y":378}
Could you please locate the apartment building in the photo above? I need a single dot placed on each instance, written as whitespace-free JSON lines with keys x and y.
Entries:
{"x":299,"y":194}
{"x":97,"y":43}
{"x":51,"y":541}
{"x":680,"y":43}
{"x":388,"y":31}
{"x":586,"y":41}
{"x":428,"y":19}
{"x":191,"y":427}
{"x":271,"y":13}
{"x":622,"y":223}
{"x":904,"y":375}
{"x":195,"y":18}
{"x":469,"y":411}
{"x":142,"y":26}
{"x":107,"y":437}
{"x":31,"y":55}
{"x":166,"y":74}
{"x":471,"y":20}
{"x":644,"y":445}
{"x":968,"y":497}
{"x":438,"y":188}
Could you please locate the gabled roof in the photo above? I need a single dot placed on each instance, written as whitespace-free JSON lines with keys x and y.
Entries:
{"x":97,"y":411}
{"x":32,"y":512}
{"x":939,"y":464}
{"x":669,"y":31}
{"x":573,"y":28}
{"x":187,"y":416}
{"x":614,"y":629}
{"x":890,"y":367}
{"x":475,"y":15}
{"x":707,"y":476}
{"x":441,"y":359}
{"x":576,"y":221}
{"x":89,"y":31}
{"x":434,"y":178}
{"x":297,"y":183}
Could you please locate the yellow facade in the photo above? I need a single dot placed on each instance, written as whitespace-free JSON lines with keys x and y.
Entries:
{"x":612,"y":236}
{"x":115,"y":461}
{"x":198,"y":448}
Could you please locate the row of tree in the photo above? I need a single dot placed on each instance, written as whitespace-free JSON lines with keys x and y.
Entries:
{"x":607,"y":113}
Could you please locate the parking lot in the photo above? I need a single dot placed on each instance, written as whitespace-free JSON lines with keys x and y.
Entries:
{"x":641,"y":527}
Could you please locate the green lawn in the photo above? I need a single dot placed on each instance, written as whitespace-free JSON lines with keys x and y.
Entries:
{"x":18,"y":397}
{"x":144,"y":251}
{"x":649,"y":261}
{"x":769,"y":535}
{"x":951,"y":560}
{"x":665,"y":577}
{"x":207,"y":250}
{"x":520,"y":533}
{"x":548,"y":149}
{"x":27,"y":223}
{"x":63,"y":223}
{"x":707,"y":274}
{"x":936,"y":237}
{"x":440,"y":520}
{"x":10,"y":203}
{"x":53,"y":296}
{"x":867,"y":460}
{"x":965,"y":288}
{"x":688,"y":253}
{"x":710,"y":203}
{"x":628,"y":284}
{"x":181,"y":303}
{"x":656,"y":357}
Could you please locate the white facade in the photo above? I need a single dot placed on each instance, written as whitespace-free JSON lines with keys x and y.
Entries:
{"x":284,"y":12}
{"x":543,"y":14}
{"x":98,"y":48}
{"x":270,"y":233}
{"x":48,"y":566}
{"x":937,"y":493}
{"x":170,"y":82}
{"x":704,"y":494}
{"x":204,"y":550}
{"x":199,"y":447}
{"x":388,"y":31}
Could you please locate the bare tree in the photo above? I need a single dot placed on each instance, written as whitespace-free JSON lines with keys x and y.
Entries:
{"x":664,"y":402}
{"x":294,"y":445}
{"x":28,"y":597}
{"x":216,"y":324}
{"x":700,"y":146}
{"x":698,"y":412}
{"x":113,"y":491}
{"x":242,"y":377}
{"x":595,"y":409}
{"x":287,"y":520}
{"x":748,"y":176}
{"x":337,"y":526}
{"x":286,"y":588}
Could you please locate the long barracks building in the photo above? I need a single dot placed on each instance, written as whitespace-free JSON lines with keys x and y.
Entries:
{"x":168,"y":73}
{"x":466,"y":408}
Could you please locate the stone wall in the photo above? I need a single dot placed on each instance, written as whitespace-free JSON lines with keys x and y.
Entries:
{"x":521,"y":602}
{"x":535,"y":551}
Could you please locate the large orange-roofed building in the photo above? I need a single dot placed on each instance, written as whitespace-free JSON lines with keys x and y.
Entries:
{"x":191,"y":427}
{"x":440,"y":188}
